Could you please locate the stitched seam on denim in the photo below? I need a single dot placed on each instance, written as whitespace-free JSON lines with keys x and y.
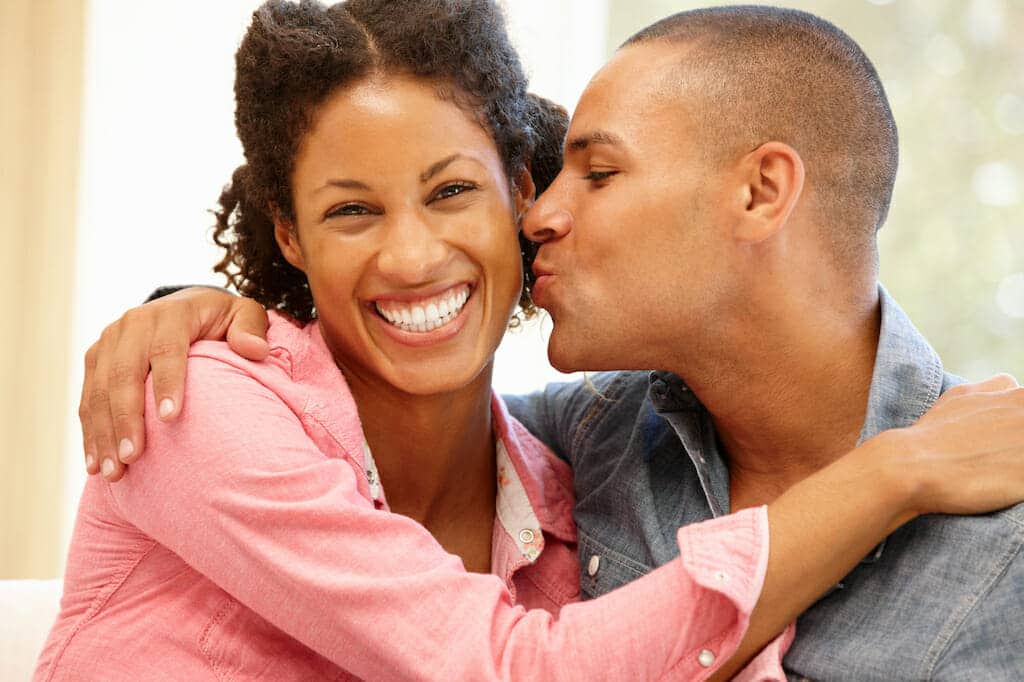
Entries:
{"x":601,"y":404}
{"x":944,"y":639}
{"x":634,"y":567}
{"x":204,"y":643}
{"x":934,"y":389}
{"x":100,"y":600}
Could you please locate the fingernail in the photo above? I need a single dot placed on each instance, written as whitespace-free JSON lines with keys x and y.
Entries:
{"x":166,"y":407}
{"x":90,"y":461}
{"x":125,"y":449}
{"x":107,"y":467}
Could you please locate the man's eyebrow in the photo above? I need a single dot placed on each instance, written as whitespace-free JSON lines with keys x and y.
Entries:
{"x":581,"y":142}
{"x":436,"y":168}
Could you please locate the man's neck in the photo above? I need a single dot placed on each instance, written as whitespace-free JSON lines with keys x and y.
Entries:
{"x":787,"y":394}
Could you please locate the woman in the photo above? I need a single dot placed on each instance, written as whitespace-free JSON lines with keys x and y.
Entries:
{"x":293,"y":522}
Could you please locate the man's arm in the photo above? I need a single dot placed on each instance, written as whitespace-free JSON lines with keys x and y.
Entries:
{"x":239,"y":490}
{"x":155,"y":336}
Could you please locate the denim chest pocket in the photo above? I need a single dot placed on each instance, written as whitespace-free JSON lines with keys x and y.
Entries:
{"x":602,"y":569}
{"x":239,"y":644}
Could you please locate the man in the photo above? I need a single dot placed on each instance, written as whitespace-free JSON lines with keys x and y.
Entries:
{"x":725,"y":175}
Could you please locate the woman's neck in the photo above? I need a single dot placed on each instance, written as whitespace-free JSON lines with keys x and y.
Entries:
{"x":435,"y":453}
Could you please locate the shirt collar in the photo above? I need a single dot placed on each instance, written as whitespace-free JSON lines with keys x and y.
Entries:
{"x":906,"y":380}
{"x":907,"y":377}
{"x":534,"y":487}
{"x":534,"y":492}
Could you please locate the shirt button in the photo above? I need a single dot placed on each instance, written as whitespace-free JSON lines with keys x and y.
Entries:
{"x":706,"y":658}
{"x":526,"y":536}
{"x":594,"y":566}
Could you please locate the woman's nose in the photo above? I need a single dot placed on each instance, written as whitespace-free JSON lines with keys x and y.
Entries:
{"x":413,"y":252}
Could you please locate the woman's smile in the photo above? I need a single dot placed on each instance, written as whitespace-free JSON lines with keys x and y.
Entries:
{"x":420,"y":320}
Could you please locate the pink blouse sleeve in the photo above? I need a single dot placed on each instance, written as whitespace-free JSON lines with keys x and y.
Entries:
{"x":238,"y":489}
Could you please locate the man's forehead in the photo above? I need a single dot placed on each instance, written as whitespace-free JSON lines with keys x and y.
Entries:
{"x":639,"y":88}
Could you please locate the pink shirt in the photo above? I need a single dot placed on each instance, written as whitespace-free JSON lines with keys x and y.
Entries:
{"x":253,"y":541}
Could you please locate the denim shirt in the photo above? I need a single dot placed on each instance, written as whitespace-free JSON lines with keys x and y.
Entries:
{"x":940,"y":599}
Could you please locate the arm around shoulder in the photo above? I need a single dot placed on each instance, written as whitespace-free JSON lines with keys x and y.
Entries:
{"x":246,"y":495}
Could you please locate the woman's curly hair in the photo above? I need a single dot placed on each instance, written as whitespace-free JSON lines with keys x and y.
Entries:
{"x":295,"y":55}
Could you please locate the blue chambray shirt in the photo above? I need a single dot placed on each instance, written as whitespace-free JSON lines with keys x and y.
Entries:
{"x":940,"y":599}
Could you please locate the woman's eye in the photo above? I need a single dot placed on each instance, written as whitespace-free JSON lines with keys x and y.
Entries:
{"x":452,"y":190}
{"x":599,"y":176}
{"x":346,"y":210}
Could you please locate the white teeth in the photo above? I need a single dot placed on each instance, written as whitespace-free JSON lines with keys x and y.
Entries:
{"x":425,"y":317}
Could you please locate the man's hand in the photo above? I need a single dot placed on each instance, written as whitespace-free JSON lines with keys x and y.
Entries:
{"x":155,"y":336}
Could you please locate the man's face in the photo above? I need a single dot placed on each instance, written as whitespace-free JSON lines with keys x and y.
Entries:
{"x":632,"y":259}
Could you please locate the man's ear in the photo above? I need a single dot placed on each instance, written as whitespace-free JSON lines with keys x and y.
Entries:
{"x":525,"y":191}
{"x":287,"y":239}
{"x":772,"y":180}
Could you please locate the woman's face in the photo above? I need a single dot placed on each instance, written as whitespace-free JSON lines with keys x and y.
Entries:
{"x":405,"y":226}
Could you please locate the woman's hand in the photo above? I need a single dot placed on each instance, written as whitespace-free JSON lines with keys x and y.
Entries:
{"x":155,"y":336}
{"x":966,"y":454}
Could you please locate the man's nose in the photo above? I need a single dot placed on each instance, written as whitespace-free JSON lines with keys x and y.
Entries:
{"x":546,"y":221}
{"x":414,"y":251}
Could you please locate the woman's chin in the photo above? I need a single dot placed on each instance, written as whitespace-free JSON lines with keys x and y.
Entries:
{"x":441,"y":376}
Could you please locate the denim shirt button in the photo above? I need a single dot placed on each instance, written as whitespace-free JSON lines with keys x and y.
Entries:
{"x":706,"y":658}
{"x":594,"y":565}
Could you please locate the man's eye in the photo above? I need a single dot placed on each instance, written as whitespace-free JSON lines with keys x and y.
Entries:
{"x":452,"y":190}
{"x":599,"y":176}
{"x":346,"y":210}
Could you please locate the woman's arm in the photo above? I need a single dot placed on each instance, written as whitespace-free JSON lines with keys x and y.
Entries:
{"x":241,"y":491}
{"x":962,"y":457}
{"x":820,"y":528}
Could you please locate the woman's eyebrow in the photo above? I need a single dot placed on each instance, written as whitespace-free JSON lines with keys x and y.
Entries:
{"x":343,"y":183}
{"x":439,"y":166}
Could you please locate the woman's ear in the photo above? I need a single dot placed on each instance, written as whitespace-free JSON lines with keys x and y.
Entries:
{"x":772,"y":180}
{"x":287,"y":239}
{"x":525,"y":191}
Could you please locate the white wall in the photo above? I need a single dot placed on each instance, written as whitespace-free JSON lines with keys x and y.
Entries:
{"x":159,"y":142}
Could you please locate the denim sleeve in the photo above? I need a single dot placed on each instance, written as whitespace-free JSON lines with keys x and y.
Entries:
{"x":989,"y":644}
{"x":554,"y":413}
{"x":160,"y":292}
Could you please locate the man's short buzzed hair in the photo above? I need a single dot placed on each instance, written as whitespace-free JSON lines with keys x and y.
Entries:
{"x":771,"y":74}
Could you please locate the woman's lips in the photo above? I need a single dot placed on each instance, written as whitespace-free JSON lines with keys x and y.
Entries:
{"x":426,"y":320}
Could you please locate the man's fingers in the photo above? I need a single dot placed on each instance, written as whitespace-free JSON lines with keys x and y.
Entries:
{"x":92,"y":463}
{"x":101,"y":425}
{"x":168,"y":359}
{"x":127,"y":383}
{"x":247,"y":329}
